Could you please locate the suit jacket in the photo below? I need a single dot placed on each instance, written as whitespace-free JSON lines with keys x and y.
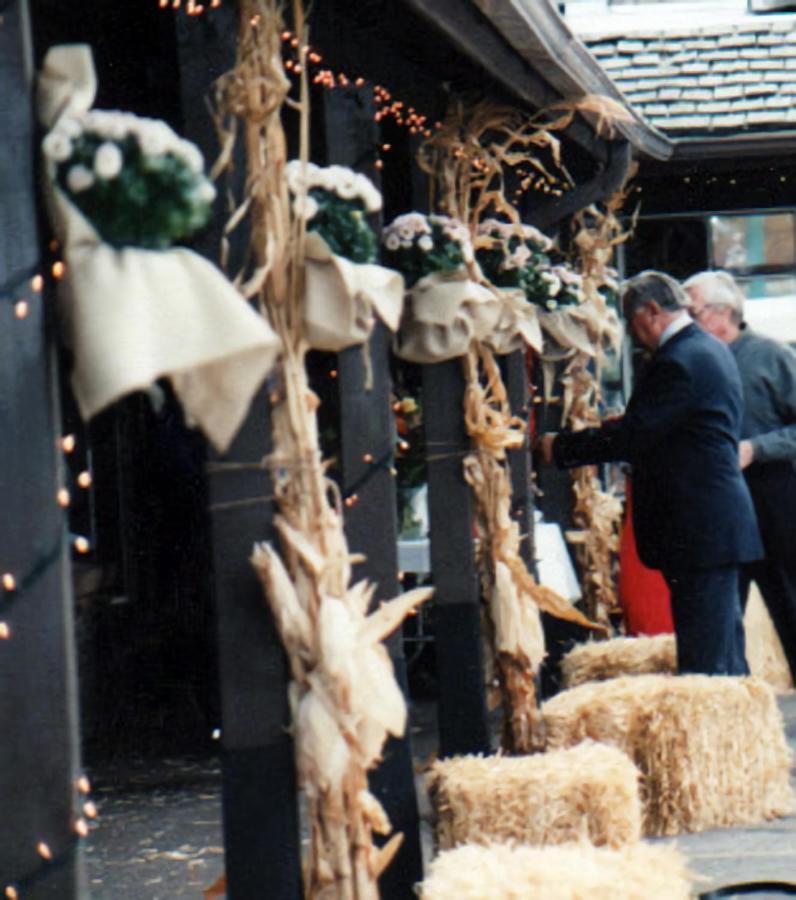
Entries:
{"x":691,"y":505}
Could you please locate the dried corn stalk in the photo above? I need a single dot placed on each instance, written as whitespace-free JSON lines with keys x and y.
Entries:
{"x":467,"y":159}
{"x":596,"y":514}
{"x":344,"y":697}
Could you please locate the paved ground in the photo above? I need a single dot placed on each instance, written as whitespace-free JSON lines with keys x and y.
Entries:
{"x":159,"y":835}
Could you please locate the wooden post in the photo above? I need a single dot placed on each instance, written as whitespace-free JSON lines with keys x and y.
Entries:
{"x":371,"y":528}
{"x":463,"y":725}
{"x":39,"y":763}
{"x":366,"y":429}
{"x":259,"y":782}
{"x":516,"y":379}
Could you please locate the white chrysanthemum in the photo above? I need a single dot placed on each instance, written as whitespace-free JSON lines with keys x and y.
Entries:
{"x":553,"y":283}
{"x":57,"y":146}
{"x":69,"y":126}
{"x":370,"y":197}
{"x":108,"y":160}
{"x":154,"y":140}
{"x":206,"y":191}
{"x":191,"y":155}
{"x":519,"y":258}
{"x":567,"y":276}
{"x":305,"y":207}
{"x":533,"y":234}
{"x":392,"y":241}
{"x":79,"y":178}
{"x":551,"y":304}
{"x":425,"y":243}
{"x":301,"y":176}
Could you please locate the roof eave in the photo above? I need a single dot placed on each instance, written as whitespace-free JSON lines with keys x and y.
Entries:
{"x":541,"y":43}
{"x":542,"y":38}
{"x":771,"y":143}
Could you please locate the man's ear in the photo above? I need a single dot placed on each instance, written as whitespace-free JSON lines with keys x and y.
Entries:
{"x":654,"y":307}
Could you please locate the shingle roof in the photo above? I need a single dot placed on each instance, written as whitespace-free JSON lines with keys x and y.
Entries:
{"x":718,"y":80}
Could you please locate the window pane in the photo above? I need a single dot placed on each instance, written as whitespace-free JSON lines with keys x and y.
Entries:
{"x":744,"y":242}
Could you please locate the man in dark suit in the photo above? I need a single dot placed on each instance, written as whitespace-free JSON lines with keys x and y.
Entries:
{"x":768,"y":446}
{"x":692,"y":513}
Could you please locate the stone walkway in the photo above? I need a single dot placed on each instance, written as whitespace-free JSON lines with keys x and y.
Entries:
{"x":159,"y":834}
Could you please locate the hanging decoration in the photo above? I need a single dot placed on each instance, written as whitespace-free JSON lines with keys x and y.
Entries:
{"x":344,"y":290}
{"x":343,"y":695}
{"x":135,"y":308}
{"x":465,"y":158}
{"x":597,"y":513}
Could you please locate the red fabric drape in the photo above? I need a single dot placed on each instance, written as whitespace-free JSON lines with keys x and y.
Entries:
{"x":643,"y":593}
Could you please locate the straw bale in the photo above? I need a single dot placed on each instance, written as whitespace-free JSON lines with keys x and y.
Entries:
{"x":711,"y":750}
{"x":564,"y":872}
{"x":589,"y":792}
{"x":600,"y":660}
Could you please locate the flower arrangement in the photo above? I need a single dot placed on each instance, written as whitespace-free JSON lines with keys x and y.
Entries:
{"x":515,"y":255}
{"x":134,"y":179}
{"x":334,"y":201}
{"x":418,"y":245}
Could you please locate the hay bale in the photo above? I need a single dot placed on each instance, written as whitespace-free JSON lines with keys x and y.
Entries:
{"x":565,"y":872}
{"x":711,"y":750}
{"x":587,"y":792}
{"x":601,"y":660}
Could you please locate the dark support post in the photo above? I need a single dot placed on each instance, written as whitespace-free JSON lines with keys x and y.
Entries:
{"x":371,"y":528}
{"x":463,"y":725}
{"x":39,"y":764}
{"x":261,"y":833}
{"x":516,"y":377}
{"x":366,"y":429}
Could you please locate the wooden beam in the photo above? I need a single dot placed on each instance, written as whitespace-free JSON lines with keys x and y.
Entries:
{"x":463,"y":725}
{"x":39,"y":758}
{"x":515,"y":375}
{"x":261,"y":834}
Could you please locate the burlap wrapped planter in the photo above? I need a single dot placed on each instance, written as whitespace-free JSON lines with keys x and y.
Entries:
{"x":564,"y":872}
{"x":600,"y":660}
{"x":586,"y":792}
{"x":711,"y":750}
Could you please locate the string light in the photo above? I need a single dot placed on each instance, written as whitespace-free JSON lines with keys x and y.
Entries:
{"x":84,"y":479}
{"x":368,"y":458}
{"x":37,"y":284}
{"x":21,"y":309}
{"x":9,"y":582}
{"x":11,"y":893}
{"x":5,"y":631}
{"x":81,"y":827}
{"x":68,"y":443}
{"x":81,"y":544}
{"x":44,"y":851}
{"x":58,"y":269}
{"x":90,"y":809}
{"x":63,"y":497}
{"x":83,"y":785}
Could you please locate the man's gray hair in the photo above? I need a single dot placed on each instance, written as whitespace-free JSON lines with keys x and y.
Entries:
{"x":718,"y":288}
{"x":651,"y":285}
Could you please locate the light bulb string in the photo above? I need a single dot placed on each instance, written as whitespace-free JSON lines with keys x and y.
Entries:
{"x":22,"y":585}
{"x":48,"y":866}
{"x":18,"y":285}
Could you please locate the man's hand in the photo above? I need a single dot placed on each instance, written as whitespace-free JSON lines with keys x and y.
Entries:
{"x":746,"y":454}
{"x":545,"y":447}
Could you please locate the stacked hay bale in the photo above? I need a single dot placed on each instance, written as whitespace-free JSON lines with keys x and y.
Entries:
{"x":587,"y":792}
{"x":601,"y":660}
{"x":712,"y":751}
{"x":564,"y":872}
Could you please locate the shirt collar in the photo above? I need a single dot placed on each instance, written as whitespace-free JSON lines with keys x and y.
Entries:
{"x":676,"y":325}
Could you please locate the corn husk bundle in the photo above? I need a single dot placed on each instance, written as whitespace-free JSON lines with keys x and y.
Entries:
{"x":564,"y":872}
{"x":467,"y":159}
{"x":601,"y":660}
{"x":343,"y":697}
{"x":589,"y":792}
{"x":690,"y":738}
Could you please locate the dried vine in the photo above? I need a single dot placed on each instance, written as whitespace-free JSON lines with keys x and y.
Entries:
{"x":344,"y":697}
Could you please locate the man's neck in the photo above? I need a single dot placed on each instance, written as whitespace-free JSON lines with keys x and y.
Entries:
{"x":672,"y":324}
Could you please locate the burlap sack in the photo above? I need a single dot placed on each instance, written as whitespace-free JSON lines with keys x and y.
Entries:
{"x":444,"y":313}
{"x":133,"y":316}
{"x":342,"y":298}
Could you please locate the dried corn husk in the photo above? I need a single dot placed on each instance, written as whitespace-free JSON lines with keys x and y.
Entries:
{"x":690,"y":737}
{"x":564,"y":872}
{"x":764,"y":651}
{"x":343,"y":696}
{"x":588,"y":792}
